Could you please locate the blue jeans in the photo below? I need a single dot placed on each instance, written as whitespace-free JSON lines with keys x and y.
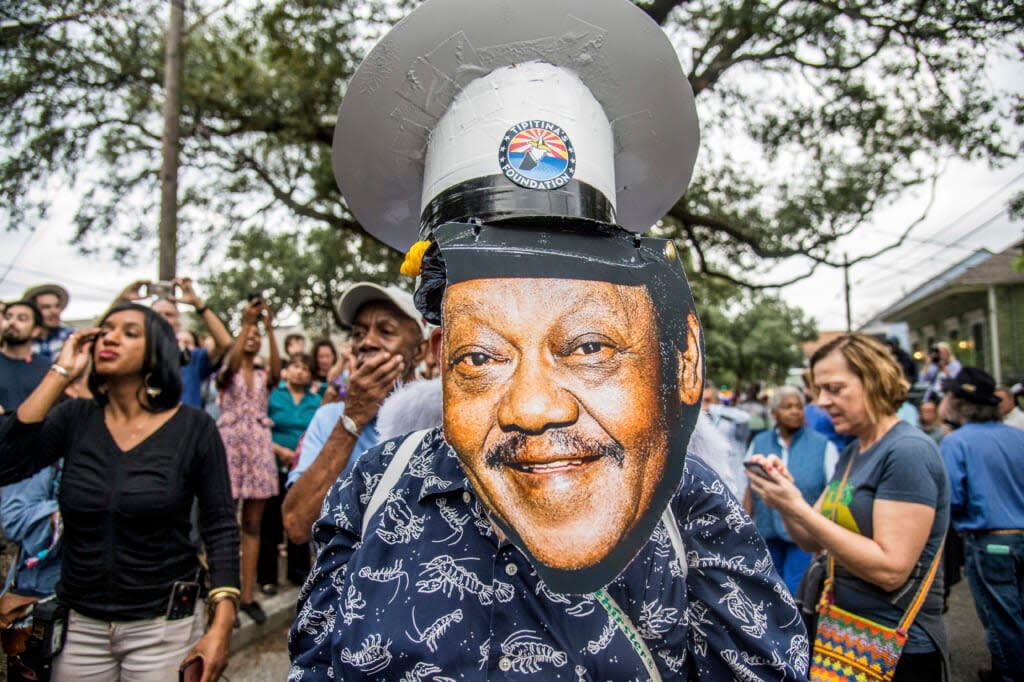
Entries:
{"x":790,"y":561}
{"x":995,"y":572}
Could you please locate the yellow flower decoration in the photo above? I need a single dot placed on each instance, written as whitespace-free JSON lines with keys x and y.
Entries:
{"x":414,"y":259}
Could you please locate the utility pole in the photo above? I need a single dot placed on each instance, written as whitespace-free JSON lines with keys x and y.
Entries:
{"x":846,"y":289}
{"x":169,"y":168}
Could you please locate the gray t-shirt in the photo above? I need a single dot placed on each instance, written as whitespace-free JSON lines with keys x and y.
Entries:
{"x":904,"y":466}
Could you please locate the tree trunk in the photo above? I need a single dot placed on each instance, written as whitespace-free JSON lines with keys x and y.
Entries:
{"x":169,"y":169}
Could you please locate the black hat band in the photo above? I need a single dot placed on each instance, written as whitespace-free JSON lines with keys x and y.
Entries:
{"x":494,"y":198}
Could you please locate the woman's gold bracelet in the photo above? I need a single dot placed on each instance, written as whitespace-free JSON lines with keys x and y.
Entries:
{"x":219,"y":594}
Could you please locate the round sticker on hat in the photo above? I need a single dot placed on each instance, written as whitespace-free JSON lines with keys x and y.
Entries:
{"x":537,"y":155}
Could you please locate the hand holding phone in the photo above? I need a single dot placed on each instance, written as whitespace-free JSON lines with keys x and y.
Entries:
{"x":161,"y":289}
{"x":191,"y":671}
{"x":757,"y":469}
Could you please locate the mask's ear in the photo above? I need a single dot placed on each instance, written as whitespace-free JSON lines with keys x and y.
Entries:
{"x":436,"y":338}
{"x":691,"y":364}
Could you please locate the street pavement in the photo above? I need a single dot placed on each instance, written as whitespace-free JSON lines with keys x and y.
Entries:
{"x":265,"y":659}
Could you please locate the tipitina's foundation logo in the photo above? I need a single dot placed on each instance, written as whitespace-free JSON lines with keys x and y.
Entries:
{"x":537,"y":155}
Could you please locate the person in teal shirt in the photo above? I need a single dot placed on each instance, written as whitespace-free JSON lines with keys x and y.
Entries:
{"x":291,"y":408}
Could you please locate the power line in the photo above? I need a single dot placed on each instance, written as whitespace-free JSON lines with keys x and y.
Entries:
{"x":17,"y":256}
{"x":57,"y":277}
{"x":931,"y":238}
{"x":981,"y":203}
{"x":912,"y":268}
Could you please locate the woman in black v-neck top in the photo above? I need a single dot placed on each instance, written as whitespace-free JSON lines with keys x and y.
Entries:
{"x":134,"y":460}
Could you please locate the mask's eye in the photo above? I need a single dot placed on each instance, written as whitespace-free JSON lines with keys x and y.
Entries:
{"x":591,"y":346}
{"x":474,"y":359}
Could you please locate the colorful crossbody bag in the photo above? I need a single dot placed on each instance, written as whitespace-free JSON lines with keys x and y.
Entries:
{"x":854,"y":648}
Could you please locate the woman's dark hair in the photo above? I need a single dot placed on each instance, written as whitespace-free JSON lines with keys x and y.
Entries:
{"x":304,"y":359}
{"x":161,"y":362}
{"x":322,"y":343}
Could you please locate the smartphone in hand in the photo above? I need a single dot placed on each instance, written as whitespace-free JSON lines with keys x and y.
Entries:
{"x":756,"y":469}
{"x":192,"y":671}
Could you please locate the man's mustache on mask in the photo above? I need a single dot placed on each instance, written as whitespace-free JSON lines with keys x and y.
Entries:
{"x":512,"y":448}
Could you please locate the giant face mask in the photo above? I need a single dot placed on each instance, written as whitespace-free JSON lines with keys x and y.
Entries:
{"x":528,"y":156}
{"x":568,"y":399}
{"x":552,"y":400}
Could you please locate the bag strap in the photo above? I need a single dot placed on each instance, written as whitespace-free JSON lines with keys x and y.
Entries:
{"x":392,"y":473}
{"x":622,"y":621}
{"x":669,"y":519}
{"x":922,"y":591}
{"x":827,"y":590}
{"x":619,"y":617}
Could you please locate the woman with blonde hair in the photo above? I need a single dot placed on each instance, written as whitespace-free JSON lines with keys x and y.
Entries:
{"x":882,"y":517}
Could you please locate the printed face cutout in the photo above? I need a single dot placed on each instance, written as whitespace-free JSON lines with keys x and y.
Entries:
{"x":566,"y":416}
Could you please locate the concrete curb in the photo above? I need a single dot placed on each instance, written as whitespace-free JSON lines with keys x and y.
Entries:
{"x":280,"y":610}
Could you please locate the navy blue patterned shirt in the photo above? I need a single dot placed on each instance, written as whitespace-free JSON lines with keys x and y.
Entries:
{"x":431,"y":594}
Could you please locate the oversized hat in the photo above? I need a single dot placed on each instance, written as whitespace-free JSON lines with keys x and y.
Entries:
{"x":490,"y":109}
{"x":532,"y":139}
{"x":57,"y":290}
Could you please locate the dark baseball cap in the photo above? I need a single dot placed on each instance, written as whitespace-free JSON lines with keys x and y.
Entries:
{"x":974,"y":385}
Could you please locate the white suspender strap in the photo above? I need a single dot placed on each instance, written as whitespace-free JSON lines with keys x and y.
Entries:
{"x":391,"y":475}
{"x":619,"y":616}
{"x":622,"y":621}
{"x":669,"y":519}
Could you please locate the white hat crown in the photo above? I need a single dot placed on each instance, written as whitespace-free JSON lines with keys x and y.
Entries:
{"x":507,"y":105}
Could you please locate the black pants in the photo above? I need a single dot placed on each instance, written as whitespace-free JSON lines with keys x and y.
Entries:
{"x":271,"y":534}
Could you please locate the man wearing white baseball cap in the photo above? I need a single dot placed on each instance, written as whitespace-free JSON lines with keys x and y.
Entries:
{"x":387,"y":345}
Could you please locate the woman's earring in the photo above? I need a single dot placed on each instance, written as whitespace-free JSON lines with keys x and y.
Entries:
{"x":151,"y":391}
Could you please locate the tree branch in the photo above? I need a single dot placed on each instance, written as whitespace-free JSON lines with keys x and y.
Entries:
{"x":906,"y":233}
{"x":706,"y":269}
{"x":299,"y":208}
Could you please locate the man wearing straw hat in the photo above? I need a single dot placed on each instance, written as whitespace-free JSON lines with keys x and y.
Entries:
{"x":556,"y":526}
{"x":51,"y":300}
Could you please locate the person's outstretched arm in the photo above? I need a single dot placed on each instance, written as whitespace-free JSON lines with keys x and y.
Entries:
{"x":220,"y":334}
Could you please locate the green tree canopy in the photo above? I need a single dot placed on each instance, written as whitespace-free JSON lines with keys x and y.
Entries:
{"x":756,"y":339}
{"x":814,"y":114}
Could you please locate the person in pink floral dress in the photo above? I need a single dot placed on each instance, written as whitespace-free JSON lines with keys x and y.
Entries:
{"x":245,"y":430}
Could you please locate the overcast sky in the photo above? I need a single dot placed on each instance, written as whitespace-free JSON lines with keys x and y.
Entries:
{"x":968,"y":213}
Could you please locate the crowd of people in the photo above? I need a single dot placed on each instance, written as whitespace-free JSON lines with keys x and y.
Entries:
{"x":518,"y":471}
{"x":943,"y":478}
{"x":114,"y":539}
{"x":833,"y":471}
